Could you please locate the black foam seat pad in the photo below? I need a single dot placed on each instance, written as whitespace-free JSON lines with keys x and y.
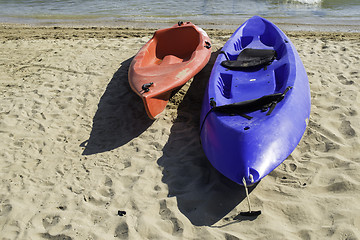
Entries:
{"x":248,"y":106}
{"x":250,"y":57}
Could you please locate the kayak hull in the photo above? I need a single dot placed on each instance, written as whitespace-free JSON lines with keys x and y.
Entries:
{"x":166,"y":62}
{"x":245,"y":149}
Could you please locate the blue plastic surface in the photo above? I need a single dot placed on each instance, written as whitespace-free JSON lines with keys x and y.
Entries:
{"x":250,"y":149}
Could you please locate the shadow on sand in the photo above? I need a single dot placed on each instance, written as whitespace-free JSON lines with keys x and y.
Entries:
{"x":203,"y":195}
{"x":120,"y":117}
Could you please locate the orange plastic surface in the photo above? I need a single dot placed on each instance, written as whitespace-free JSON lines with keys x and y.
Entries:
{"x":166,"y":62}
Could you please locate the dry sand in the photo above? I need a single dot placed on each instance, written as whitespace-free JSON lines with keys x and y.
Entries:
{"x":76,"y":146}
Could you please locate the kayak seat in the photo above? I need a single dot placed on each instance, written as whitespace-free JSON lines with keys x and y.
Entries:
{"x":171,"y":59}
{"x":250,"y":58}
{"x":264,"y":103}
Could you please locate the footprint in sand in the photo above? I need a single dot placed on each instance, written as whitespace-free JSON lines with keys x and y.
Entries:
{"x":346,"y":129}
{"x":344,"y":80}
{"x":5,"y":208}
{"x":50,"y":221}
{"x":55,"y":237}
{"x":165,"y":213}
{"x":122,"y":231}
{"x":293,"y":167}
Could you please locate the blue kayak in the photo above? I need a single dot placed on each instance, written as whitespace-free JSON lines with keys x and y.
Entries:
{"x":257,"y":103}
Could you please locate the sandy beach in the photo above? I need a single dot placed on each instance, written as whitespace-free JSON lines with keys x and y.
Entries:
{"x":79,"y":158}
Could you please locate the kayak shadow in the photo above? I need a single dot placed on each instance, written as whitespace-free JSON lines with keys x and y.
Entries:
{"x":120,"y":116}
{"x":203,"y":195}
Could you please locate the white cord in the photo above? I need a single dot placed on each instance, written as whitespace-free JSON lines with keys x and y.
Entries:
{"x":247,"y":193}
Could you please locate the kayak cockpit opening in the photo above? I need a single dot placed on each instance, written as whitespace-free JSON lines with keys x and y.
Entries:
{"x":179,"y":42}
{"x":174,"y":45}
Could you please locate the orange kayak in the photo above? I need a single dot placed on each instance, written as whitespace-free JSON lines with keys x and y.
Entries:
{"x":166,"y":62}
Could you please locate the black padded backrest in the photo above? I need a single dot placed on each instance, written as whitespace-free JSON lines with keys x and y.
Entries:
{"x":250,"y":58}
{"x":248,"y":106}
